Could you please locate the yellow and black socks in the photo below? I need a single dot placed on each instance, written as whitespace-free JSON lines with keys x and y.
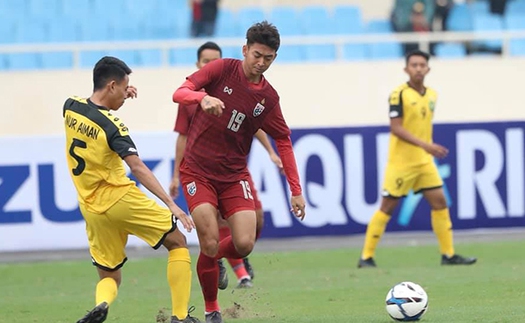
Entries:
{"x":374,"y":232}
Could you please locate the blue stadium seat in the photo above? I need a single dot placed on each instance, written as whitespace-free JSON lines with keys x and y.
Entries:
{"x":290,"y":54}
{"x":316,"y":20}
{"x":513,"y":21}
{"x":24,"y":61}
{"x":286,"y":18}
{"x":8,"y":34}
{"x":107,"y":9}
{"x":226,"y":25}
{"x":57,"y":60}
{"x":128,"y":56}
{"x":354,"y":52}
{"x":131,"y":28}
{"x":488,"y":22}
{"x":183,"y":56}
{"x":247,"y":16}
{"x":450,"y":50}
{"x":88,"y":59}
{"x":65,"y":29}
{"x":160,"y":26}
{"x":140,"y":8}
{"x":390,"y":50}
{"x":31,"y":32}
{"x":516,"y":7}
{"x":182,"y":22}
{"x":78,"y":9}
{"x":460,"y":18}
{"x":149,"y":57}
{"x":320,"y":53}
{"x":231,"y":52}
{"x":479,"y":7}
{"x":10,"y":8}
{"x":47,"y":9}
{"x":3,"y":62}
{"x":379,"y":26}
{"x":517,"y":47}
{"x":95,"y":32}
{"x":347,"y":19}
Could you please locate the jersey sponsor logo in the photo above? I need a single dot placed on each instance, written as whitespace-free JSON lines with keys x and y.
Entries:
{"x":259,"y":108}
{"x":228,"y":90}
{"x":131,"y":149}
{"x":191,"y":188}
{"x":394,"y":114}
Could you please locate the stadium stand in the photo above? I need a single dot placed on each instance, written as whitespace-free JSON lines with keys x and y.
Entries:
{"x":69,"y":21}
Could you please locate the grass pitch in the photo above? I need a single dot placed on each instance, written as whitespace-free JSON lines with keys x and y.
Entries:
{"x":306,"y":286}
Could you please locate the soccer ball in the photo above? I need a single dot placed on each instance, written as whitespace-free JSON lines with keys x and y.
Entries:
{"x":406,"y":301}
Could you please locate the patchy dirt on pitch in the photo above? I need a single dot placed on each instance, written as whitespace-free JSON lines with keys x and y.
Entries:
{"x":163,"y":316}
{"x":234,"y":312}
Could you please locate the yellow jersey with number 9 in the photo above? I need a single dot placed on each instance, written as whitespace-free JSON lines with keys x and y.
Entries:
{"x":417,"y":111}
{"x":96,"y":142}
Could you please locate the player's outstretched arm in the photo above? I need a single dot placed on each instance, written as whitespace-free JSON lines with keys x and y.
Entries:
{"x":146,"y":178}
{"x":284,"y":147}
{"x":265,"y":141}
{"x":396,"y":127}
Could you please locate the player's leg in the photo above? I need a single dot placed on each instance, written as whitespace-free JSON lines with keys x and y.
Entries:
{"x":242,"y":240}
{"x":205,"y":218}
{"x":375,"y":229}
{"x":237,"y":207}
{"x":259,"y":213}
{"x":179,"y":276}
{"x":143,"y":217}
{"x":397,"y":184}
{"x":442,"y":227}
{"x":202,"y":200}
{"x":106,"y":244}
{"x":236,"y":264}
{"x":224,"y":231}
{"x":430,"y":184}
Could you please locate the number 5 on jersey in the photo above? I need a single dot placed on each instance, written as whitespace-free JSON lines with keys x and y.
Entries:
{"x":81,"y":163}
{"x":236,"y":120}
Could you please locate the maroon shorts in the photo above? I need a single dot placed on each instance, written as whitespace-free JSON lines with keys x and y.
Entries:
{"x":228,"y":197}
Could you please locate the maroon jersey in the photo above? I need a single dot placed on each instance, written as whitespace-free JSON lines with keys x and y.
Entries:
{"x":217,"y":147}
{"x":184,"y":115}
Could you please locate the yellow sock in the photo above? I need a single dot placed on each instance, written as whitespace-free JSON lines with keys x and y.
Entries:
{"x":107,"y":291}
{"x":374,"y":231}
{"x":179,"y":279}
{"x":442,"y":227}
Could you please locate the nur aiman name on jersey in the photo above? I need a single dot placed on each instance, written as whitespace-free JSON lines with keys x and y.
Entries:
{"x":84,"y":129}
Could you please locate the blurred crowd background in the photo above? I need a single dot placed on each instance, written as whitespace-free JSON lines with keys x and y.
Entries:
{"x":49,"y":22}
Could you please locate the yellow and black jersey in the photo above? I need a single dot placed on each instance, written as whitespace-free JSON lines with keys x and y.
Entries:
{"x":96,"y":142}
{"x":417,"y":111}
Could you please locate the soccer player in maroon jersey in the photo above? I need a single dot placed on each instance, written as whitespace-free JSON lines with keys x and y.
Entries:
{"x":235,"y":102}
{"x":206,"y":53}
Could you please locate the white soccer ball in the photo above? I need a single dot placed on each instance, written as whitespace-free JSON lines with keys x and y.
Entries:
{"x":406,"y":301}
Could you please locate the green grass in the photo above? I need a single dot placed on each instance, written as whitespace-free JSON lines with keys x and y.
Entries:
{"x":309,"y":286}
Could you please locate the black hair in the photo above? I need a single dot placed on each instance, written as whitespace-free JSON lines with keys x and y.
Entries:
{"x":208,"y":45}
{"x":417,"y":52}
{"x":107,"y":69}
{"x":264,"y":33}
